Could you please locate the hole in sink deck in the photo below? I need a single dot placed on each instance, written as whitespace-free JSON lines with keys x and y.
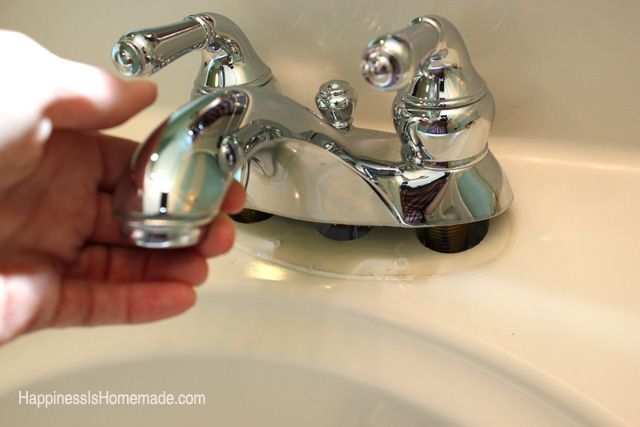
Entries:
{"x":383,"y":252}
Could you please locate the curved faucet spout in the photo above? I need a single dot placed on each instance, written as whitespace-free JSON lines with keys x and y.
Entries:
{"x":177,"y":179}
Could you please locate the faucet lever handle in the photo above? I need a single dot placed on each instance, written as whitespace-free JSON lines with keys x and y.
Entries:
{"x":227,"y":56}
{"x":427,"y":62}
{"x":144,"y":52}
{"x":391,"y":60}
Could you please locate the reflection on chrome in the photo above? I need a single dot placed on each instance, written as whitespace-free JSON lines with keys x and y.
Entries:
{"x":435,"y":171}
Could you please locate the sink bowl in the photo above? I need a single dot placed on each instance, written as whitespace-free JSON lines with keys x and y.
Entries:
{"x":259,"y":362}
{"x":533,"y":327}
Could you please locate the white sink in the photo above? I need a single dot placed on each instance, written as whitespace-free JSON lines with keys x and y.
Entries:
{"x":263,"y":361}
{"x":536,"y":326}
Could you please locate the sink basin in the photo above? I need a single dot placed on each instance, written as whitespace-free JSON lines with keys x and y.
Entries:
{"x":533,"y":327}
{"x":261,"y":361}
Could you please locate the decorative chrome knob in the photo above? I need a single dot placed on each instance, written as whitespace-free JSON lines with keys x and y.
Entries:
{"x":336,"y":100}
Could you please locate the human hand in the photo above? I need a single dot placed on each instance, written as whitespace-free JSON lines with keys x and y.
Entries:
{"x":63,"y":261}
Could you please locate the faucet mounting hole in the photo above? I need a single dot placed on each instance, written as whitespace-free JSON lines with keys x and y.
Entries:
{"x":389,"y":253}
{"x":342,"y":232}
{"x":250,"y":216}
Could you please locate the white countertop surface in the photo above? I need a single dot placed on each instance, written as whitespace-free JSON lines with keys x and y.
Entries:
{"x":554,"y":287}
{"x":550,"y":300}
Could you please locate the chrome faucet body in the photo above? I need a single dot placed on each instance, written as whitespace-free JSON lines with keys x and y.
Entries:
{"x":436,"y":171}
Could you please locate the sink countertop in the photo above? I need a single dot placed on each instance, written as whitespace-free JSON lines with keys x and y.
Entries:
{"x":557,"y":306}
{"x":562,"y":299}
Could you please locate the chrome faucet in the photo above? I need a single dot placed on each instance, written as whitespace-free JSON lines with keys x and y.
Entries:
{"x":435,"y":174}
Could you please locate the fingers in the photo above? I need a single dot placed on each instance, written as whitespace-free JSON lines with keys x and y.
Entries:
{"x":72,"y":96}
{"x":219,"y":237}
{"x":127,"y":285}
{"x":234,"y":199}
{"x":116,"y":156}
{"x":106,"y":229}
{"x":33,"y":296}
{"x":221,"y":232}
{"x":86,"y":97}
{"x":83,"y":303}
{"x":122,"y":265}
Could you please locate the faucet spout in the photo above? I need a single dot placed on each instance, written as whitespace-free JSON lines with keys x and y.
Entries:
{"x":177,"y":179}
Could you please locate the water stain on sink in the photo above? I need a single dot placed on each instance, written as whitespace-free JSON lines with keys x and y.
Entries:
{"x":384,"y":253}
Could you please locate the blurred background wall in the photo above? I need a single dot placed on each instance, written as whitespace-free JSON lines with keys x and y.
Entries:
{"x":562,"y":70}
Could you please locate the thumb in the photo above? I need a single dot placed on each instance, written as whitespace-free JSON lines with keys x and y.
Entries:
{"x":86,"y":97}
